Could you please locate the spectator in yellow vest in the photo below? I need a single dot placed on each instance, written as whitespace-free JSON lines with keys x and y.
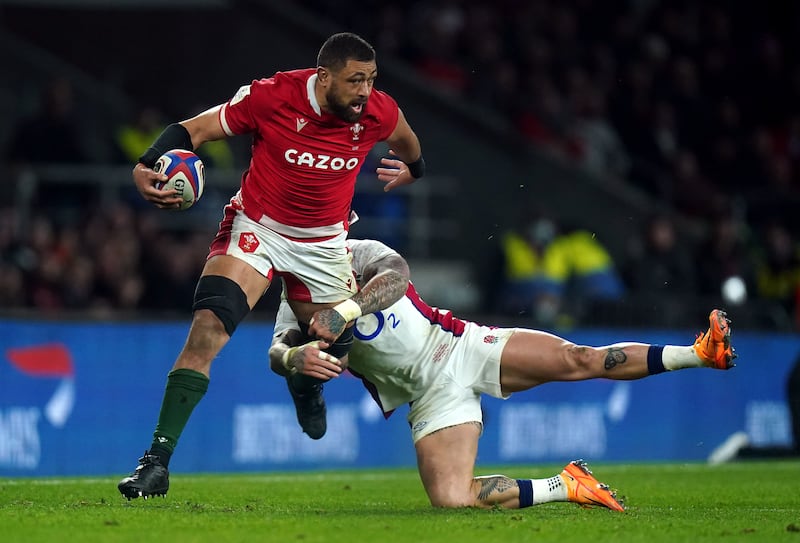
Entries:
{"x":134,"y":139}
{"x":543,"y":265}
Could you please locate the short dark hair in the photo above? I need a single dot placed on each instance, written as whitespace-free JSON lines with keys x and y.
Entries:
{"x":344,"y":46}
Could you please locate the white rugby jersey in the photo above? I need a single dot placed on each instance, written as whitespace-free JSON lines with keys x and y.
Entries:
{"x":397,"y":352}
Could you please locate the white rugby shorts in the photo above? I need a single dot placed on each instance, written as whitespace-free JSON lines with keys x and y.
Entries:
{"x":471,"y":369}
{"x":313,"y":271}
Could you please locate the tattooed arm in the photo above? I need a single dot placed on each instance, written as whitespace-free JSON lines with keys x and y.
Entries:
{"x":383,"y":283}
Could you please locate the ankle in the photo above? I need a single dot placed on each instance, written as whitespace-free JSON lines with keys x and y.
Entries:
{"x":162,"y":453}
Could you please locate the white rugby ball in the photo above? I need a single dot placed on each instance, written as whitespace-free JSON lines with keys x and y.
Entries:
{"x":185,"y":173}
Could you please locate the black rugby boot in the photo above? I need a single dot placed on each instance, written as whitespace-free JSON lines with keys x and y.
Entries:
{"x":150,"y":478}
{"x":311,"y":411}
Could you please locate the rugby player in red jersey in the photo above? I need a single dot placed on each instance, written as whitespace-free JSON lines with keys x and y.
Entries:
{"x":311,"y":131}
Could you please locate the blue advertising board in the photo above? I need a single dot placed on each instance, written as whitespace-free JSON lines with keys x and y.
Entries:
{"x":83,"y":398}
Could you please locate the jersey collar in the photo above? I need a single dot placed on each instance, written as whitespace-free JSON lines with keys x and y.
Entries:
{"x":312,"y":95}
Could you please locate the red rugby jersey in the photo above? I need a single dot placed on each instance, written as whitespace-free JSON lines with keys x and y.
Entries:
{"x":304,"y":161}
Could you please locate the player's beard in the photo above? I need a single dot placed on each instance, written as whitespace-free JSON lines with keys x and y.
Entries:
{"x":342,"y":109}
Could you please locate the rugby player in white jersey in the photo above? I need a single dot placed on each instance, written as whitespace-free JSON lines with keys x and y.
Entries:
{"x":410,"y":353}
{"x":311,"y":131}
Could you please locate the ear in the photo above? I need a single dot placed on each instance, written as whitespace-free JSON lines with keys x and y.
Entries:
{"x":323,"y":75}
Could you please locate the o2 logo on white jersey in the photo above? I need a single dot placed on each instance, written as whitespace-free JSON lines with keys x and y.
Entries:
{"x":376,"y":320}
{"x":319,"y":162}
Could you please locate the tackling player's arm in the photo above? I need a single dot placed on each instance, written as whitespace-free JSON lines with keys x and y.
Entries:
{"x":404,"y":144}
{"x":189,"y":135}
{"x":288,"y":356}
{"x":383,"y":283}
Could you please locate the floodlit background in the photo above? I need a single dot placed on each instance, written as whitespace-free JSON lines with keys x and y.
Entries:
{"x":607,"y":171}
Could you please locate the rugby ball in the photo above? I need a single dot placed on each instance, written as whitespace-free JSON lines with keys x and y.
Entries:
{"x":185,"y":173}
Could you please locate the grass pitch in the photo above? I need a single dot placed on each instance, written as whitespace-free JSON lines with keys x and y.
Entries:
{"x":748,"y":501}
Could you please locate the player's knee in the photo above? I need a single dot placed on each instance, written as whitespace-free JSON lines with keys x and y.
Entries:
{"x":452,"y":499}
{"x":452,"y":491}
{"x":206,"y":323}
{"x":579,"y":358}
{"x":224,"y":298}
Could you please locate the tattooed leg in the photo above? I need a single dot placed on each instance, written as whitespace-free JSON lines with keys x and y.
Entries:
{"x":502,"y":491}
{"x":497,"y":490}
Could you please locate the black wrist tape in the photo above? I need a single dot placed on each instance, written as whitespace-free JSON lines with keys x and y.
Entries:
{"x":175,"y":136}
{"x":417,"y":168}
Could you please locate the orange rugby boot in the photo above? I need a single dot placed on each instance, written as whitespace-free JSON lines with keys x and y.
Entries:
{"x":584,"y":489}
{"x":714,"y":347}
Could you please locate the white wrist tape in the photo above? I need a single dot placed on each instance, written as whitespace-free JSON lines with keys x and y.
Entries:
{"x":285,"y":359}
{"x":348,"y":309}
{"x":289,"y":353}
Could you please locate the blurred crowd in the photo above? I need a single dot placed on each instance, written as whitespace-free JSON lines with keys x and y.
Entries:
{"x":557,"y":274}
{"x":69,"y":247}
{"x":107,"y":261}
{"x":693,"y":103}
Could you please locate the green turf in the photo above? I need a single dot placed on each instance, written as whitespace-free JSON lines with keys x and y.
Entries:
{"x":749,"y":501}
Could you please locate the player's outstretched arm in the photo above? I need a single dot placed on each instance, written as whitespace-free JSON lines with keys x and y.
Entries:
{"x":384,"y":282}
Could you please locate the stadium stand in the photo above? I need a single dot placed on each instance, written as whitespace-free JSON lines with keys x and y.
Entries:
{"x":603,"y":115}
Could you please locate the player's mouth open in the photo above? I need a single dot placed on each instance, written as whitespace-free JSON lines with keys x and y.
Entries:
{"x":357,"y":106}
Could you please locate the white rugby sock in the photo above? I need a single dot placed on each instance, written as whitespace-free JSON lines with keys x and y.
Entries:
{"x":676,"y":358}
{"x":548,"y":490}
